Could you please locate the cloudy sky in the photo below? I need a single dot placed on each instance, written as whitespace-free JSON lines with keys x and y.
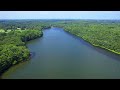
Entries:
{"x":59,"y":14}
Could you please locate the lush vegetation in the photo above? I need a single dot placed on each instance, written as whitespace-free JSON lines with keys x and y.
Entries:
{"x":24,"y":24}
{"x":15,"y":33}
{"x":104,"y":34}
{"x":13,"y":38}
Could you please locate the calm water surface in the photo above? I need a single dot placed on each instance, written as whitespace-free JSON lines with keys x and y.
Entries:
{"x":59,"y":54}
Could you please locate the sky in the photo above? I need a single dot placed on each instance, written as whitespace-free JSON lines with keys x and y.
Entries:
{"x":60,"y":15}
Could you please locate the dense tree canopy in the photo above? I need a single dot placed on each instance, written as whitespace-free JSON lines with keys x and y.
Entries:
{"x":13,"y":38}
{"x":23,"y":24}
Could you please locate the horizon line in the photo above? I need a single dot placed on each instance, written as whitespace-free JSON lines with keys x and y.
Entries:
{"x":58,"y":19}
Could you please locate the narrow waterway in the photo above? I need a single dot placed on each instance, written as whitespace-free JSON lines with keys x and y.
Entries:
{"x":59,"y":54}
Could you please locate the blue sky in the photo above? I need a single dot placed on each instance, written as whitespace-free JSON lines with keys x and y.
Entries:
{"x":59,"y":14}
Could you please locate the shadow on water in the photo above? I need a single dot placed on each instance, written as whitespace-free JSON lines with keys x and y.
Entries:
{"x":108,"y":53}
{"x":98,"y":49}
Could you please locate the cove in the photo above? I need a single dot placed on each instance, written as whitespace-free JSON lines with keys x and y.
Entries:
{"x":60,"y":55}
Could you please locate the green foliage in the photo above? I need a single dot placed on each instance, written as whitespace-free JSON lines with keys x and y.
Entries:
{"x":24,"y":24}
{"x":30,"y":34}
{"x":13,"y":42}
{"x":105,"y":34}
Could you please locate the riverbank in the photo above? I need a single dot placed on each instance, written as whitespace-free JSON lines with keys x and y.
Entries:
{"x":113,"y":51}
{"x":59,"y":54}
{"x":118,"y":53}
{"x":13,"y":48}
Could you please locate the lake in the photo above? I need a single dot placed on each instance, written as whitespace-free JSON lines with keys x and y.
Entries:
{"x":60,"y":55}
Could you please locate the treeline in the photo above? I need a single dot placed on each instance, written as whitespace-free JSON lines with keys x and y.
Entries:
{"x":13,"y":41}
{"x":23,"y":24}
{"x":104,"y":34}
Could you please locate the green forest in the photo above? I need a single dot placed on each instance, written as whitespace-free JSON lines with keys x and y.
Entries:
{"x":14,"y":34}
{"x":13,"y":38}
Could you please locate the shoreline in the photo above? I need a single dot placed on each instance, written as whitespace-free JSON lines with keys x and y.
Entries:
{"x":118,"y":53}
{"x":29,"y":57}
